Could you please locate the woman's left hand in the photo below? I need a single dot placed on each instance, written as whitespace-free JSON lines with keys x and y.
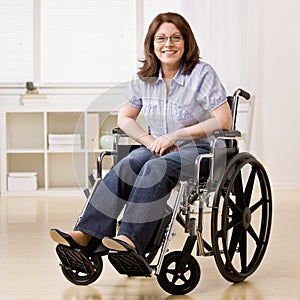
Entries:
{"x":162,"y":145}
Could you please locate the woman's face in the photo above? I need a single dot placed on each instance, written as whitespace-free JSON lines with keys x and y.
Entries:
{"x":169,"y":52}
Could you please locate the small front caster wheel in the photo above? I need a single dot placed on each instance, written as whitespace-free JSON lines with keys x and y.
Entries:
{"x":79,"y":276}
{"x":78,"y":267}
{"x":178,"y":283}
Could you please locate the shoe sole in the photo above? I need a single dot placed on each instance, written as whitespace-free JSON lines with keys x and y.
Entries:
{"x":114,"y":245}
{"x":56,"y":237}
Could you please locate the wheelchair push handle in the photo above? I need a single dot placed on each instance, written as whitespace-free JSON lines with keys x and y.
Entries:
{"x":242,"y":93}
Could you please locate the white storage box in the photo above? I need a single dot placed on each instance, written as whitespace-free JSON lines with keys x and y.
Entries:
{"x":22,"y":181}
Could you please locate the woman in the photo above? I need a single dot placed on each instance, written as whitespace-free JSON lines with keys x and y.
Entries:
{"x":183,"y":101}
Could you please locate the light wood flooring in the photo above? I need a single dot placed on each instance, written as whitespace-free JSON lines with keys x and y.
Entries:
{"x":29,"y":267}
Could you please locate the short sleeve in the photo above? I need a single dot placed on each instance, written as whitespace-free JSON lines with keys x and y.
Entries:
{"x":133,"y":93}
{"x":211,"y":92}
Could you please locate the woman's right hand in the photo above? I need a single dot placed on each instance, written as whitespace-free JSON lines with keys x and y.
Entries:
{"x":162,"y":145}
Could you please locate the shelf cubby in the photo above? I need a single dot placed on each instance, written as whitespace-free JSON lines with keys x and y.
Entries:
{"x":25,"y":130}
{"x":60,"y":170}
{"x":27,"y":162}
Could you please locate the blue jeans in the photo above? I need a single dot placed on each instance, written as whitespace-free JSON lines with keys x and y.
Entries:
{"x":143,"y":182}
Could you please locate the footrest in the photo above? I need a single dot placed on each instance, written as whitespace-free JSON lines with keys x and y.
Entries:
{"x":129,"y":263}
{"x":74,"y":259}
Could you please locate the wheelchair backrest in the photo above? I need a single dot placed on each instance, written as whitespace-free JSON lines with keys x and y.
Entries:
{"x":222,"y":154}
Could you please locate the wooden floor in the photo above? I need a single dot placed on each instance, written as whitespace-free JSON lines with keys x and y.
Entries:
{"x":29,"y":266}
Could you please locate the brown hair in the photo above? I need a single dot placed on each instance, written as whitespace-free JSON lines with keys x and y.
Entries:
{"x":151,"y":63}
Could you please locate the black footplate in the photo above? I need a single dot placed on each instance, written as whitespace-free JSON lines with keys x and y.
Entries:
{"x":129,"y":263}
{"x":74,"y":259}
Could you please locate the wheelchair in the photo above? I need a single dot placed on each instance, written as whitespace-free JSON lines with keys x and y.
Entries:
{"x":232,"y":186}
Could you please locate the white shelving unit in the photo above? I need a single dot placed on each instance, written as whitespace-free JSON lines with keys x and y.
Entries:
{"x":25,"y":148}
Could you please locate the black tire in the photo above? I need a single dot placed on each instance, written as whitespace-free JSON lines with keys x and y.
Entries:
{"x":241,"y":218}
{"x":174,"y":283}
{"x":79,"y":276}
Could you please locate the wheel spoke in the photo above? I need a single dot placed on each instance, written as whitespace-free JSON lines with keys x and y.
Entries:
{"x":249,"y":186}
{"x":183,"y":278}
{"x":174,"y":275}
{"x":259,"y":203}
{"x":171,"y":271}
{"x":236,"y":215}
{"x":235,"y":222}
{"x":175,"y":278}
{"x":235,"y":209}
{"x":243,"y":250}
{"x":254,"y":235}
{"x":229,"y":225}
{"x":235,"y":238}
{"x":219,"y":233}
{"x":240,"y":197}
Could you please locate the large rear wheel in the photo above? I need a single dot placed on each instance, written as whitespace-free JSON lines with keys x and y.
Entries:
{"x":241,"y":218}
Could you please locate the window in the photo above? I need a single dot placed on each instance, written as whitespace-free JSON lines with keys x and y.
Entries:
{"x":16,"y":42}
{"x":88,"y":41}
{"x":74,"y":42}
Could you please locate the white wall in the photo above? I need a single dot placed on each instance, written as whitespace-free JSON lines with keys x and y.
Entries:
{"x":255,"y":44}
{"x":227,"y":34}
{"x":279,"y":109}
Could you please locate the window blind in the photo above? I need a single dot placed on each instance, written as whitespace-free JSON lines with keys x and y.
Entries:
{"x":88,"y":41}
{"x":16,"y":42}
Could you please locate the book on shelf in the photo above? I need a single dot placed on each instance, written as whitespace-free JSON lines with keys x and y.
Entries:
{"x":33,"y":99}
{"x":65,"y":147}
{"x":64,"y":141}
{"x":64,"y":138}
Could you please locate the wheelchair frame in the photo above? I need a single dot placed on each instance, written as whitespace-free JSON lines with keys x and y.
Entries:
{"x":238,"y":243}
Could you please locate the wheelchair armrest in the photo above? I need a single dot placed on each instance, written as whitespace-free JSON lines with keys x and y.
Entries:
{"x":100,"y":159}
{"x":119,"y":131}
{"x":230,"y":134}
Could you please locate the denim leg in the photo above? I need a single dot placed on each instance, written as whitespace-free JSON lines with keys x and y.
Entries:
{"x":100,"y":216}
{"x":144,"y":182}
{"x":147,"y":201}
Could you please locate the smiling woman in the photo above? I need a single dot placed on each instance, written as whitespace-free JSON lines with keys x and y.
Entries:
{"x":169,"y":49}
{"x":183,"y":101}
{"x":160,"y":43}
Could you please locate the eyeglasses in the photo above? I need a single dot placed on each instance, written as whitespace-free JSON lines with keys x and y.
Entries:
{"x":163,"y":39}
